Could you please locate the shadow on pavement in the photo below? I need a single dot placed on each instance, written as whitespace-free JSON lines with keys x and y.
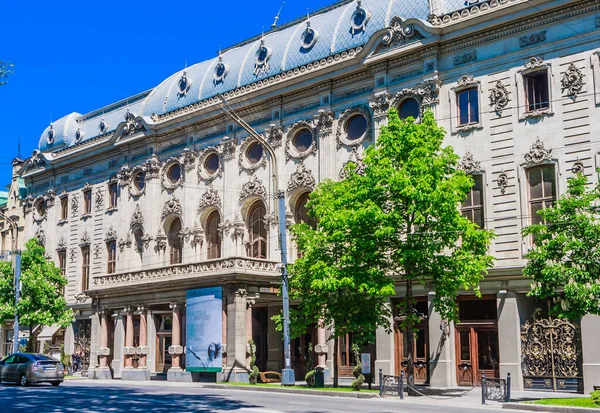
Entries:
{"x":103,"y":399}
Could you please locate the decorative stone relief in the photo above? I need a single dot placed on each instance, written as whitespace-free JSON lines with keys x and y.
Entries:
{"x":131,"y":124}
{"x":41,"y":236}
{"x":188,"y":158}
{"x":380,"y":104}
{"x":270,"y":221}
{"x":465,"y":58}
{"x":534,"y":63}
{"x":124,"y":175}
{"x":62,"y":244}
{"x":143,"y":244}
{"x":466,"y":81}
{"x":357,"y":160}
{"x":503,"y":182}
{"x":274,"y":135}
{"x":74,"y":205}
{"x":125,"y":243}
{"x":532,"y":39}
{"x":152,"y":167}
{"x":137,"y":219}
{"x":228,"y":147}
{"x":111,"y":234}
{"x":85,"y":240}
{"x":197,"y":237}
{"x":99,"y":199}
{"x":254,"y":187}
{"x":301,"y":178}
{"x":243,"y":162}
{"x":469,"y":164}
{"x":166,"y":183}
{"x":572,"y":81}
{"x":161,"y":242}
{"x":73,"y":255}
{"x":172,"y":207}
{"x":399,"y":33}
{"x":340,"y":138}
{"x":97,"y":250}
{"x":209,"y":198}
{"x":262,"y":59}
{"x":499,"y":97}
{"x":359,"y":19}
{"x":290,"y":150}
{"x":578,"y":167}
{"x":538,"y":153}
{"x":426,"y":93}
{"x":225,"y":227}
{"x":324,"y":122}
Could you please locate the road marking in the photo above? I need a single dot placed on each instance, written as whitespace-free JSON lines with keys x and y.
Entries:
{"x":303,"y":404}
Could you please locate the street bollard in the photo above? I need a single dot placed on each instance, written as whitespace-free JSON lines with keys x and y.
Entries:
{"x":380,"y":383}
{"x":401,"y":385}
{"x":508,"y":388}
{"x":482,"y":388}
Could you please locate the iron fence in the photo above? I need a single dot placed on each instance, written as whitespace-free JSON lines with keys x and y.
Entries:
{"x":495,"y":389}
{"x":391,"y":385}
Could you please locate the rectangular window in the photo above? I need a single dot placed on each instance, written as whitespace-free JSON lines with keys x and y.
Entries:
{"x":536,"y":91}
{"x":62,"y":265}
{"x":64,"y":208}
{"x":468,"y":106}
{"x":85,"y":268}
{"x":111,"y":246}
{"x":472,"y":207}
{"x":87,"y":202}
{"x":112,"y":195}
{"x":542,"y":190}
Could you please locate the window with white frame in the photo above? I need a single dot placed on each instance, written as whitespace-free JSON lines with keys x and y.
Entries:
{"x":467,"y":101}
{"x":472,"y":207}
{"x":542,"y":190}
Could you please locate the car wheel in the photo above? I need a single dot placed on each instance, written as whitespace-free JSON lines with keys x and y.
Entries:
{"x":23,"y":380}
{"x":56,"y":383}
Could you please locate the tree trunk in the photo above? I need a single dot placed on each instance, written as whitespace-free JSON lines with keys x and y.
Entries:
{"x":410,"y":338}
{"x":335,"y":362}
{"x":31,"y":341}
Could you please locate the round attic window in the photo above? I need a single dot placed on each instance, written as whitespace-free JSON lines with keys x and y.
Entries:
{"x":51,"y":134}
{"x":211,"y":164}
{"x":254,"y":153}
{"x":356,"y":127}
{"x":303,"y":140}
{"x":409,"y":108}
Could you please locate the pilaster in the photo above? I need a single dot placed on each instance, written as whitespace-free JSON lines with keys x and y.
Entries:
{"x":236,"y":334}
{"x":442,"y":366}
{"x":509,"y":337}
{"x":590,"y":337}
{"x":119,"y":345}
{"x":384,"y":356}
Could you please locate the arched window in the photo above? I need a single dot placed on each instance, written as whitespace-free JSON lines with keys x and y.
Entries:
{"x":301,"y":212}
{"x":175,"y":241}
{"x":257,"y":239}
{"x":213,"y":238}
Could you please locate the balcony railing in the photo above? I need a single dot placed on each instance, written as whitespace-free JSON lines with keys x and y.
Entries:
{"x":232,"y":265}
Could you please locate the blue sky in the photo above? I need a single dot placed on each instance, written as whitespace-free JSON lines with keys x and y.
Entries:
{"x":79,"y":56}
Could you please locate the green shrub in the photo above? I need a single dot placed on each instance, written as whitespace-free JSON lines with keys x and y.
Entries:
{"x":310,"y":378}
{"x":596,"y":397}
{"x":357,"y":371}
{"x":255,"y":372}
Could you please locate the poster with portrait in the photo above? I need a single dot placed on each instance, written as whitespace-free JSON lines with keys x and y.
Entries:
{"x":204,"y":330}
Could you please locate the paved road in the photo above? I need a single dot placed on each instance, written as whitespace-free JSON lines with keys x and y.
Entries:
{"x":87,"y":397}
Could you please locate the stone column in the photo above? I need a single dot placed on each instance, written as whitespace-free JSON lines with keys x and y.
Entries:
{"x":326,"y":144}
{"x":590,"y":337}
{"x":442,"y":364}
{"x":69,"y":344}
{"x":119,"y":344}
{"x":322,"y":350}
{"x":509,"y":337}
{"x":129,"y":339}
{"x":384,"y":349}
{"x":143,"y":337}
{"x":176,"y":338}
{"x":151,"y":340}
{"x":236,"y":335}
{"x":380,"y":105}
{"x":249,"y":304}
{"x":103,"y":340}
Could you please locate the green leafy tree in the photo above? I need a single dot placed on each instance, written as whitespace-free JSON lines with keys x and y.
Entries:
{"x":5,"y":70}
{"x":42,"y":301}
{"x":564,"y":262}
{"x":398,"y":221}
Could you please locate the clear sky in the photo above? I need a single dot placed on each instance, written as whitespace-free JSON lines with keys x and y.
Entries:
{"x":77,"y":56}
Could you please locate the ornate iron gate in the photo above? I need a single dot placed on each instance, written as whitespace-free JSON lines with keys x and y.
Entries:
{"x":551,"y":355}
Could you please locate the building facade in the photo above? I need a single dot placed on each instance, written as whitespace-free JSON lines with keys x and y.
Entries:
{"x":162,"y":193}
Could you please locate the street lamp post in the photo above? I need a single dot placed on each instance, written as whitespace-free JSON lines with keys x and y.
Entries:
{"x":287,"y":374}
{"x":17,"y":271}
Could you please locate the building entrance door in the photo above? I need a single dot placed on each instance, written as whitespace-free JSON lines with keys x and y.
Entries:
{"x":163,"y":342}
{"x":477,"y":354}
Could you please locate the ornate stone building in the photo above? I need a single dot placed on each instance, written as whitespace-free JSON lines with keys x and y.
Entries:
{"x":161,"y":193}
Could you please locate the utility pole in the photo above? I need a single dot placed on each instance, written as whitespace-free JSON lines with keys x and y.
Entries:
{"x":287,"y":374}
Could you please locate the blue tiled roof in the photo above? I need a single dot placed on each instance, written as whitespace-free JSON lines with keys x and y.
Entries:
{"x":334,"y":26}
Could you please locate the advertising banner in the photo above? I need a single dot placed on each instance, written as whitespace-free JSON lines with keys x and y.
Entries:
{"x":204,"y":330}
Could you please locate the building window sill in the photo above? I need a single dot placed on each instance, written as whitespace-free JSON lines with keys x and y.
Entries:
{"x":111,"y":210}
{"x":63,"y":221}
{"x":86,"y":216}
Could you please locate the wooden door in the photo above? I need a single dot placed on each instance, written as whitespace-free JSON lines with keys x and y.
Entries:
{"x":303,"y":354}
{"x":346,"y":362}
{"x":420,"y":356}
{"x":477,"y":353}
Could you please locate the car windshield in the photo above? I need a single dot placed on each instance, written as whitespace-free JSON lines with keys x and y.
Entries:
{"x":38,"y":357}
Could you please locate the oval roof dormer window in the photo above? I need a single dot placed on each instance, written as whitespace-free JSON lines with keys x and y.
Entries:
{"x":263,"y":55}
{"x":102,"y":126}
{"x":184,"y":85}
{"x":221,"y":71}
{"x":309,"y":37}
{"x":78,"y":135}
{"x":51,"y":134}
{"x":360,"y":18}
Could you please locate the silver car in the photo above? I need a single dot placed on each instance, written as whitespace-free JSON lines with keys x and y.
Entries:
{"x":27,"y":368}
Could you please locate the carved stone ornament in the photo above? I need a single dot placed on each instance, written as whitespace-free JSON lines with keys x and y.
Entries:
{"x":427,"y":93}
{"x":225,"y":227}
{"x":572,"y":81}
{"x":274,"y":135}
{"x":143,"y":243}
{"x":534,"y":63}
{"x":209,"y":199}
{"x":97,"y":250}
{"x":465,"y":58}
{"x":228,"y":147}
{"x":85,"y":240}
{"x":534,"y":38}
{"x":243,"y":162}
{"x":301,"y":178}
{"x":197,"y":237}
{"x":380,"y":104}
{"x":74,"y":205}
{"x":399,"y":33}
{"x":470,"y":165}
{"x":41,"y":236}
{"x":290,"y":149}
{"x":357,"y":160}
{"x":166,"y":183}
{"x":99,"y":202}
{"x":466,"y":81}
{"x":152,"y":167}
{"x":538,"y":153}
{"x":188,"y":158}
{"x":62,"y":244}
{"x":359,"y":19}
{"x":73,"y":255}
{"x":125,"y":243}
{"x":499,"y":97}
{"x":81,"y":298}
{"x":124,"y":175}
{"x":324,"y":122}
{"x":131,"y":124}
{"x":578,"y":167}
{"x":137,"y":219}
{"x":254,"y":187}
{"x":503,"y":182}
{"x":161,"y":242}
{"x":270,"y":221}
{"x":172,"y":207}
{"x":262,"y":59}
{"x":184,"y":85}
{"x":340,"y":136}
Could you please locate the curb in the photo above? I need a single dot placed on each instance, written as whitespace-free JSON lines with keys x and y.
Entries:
{"x":547,"y":408}
{"x":351,"y":395}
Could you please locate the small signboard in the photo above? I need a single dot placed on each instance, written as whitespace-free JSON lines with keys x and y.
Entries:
{"x":204,"y":309}
{"x":365,"y":362}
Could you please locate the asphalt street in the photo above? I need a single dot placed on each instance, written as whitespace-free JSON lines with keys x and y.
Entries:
{"x":87,"y":397}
